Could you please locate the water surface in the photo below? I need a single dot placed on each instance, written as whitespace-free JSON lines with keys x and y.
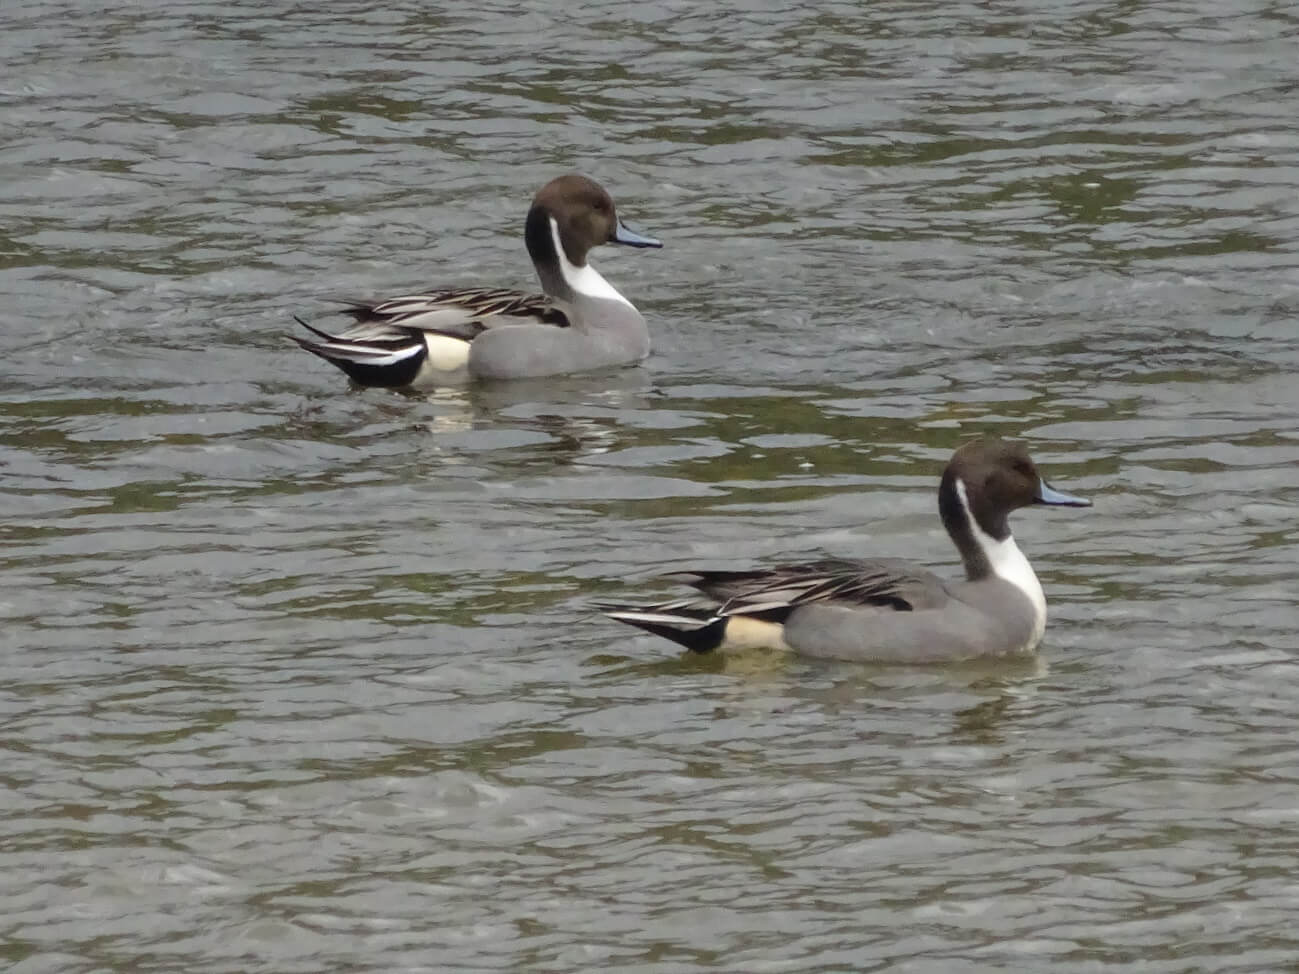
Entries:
{"x":303,"y":679}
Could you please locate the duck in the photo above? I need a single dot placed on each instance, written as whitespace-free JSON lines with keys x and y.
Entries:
{"x":579,"y":323}
{"x":888,"y":610}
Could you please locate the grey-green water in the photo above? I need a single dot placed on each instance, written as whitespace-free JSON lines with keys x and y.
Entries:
{"x":296,"y":679}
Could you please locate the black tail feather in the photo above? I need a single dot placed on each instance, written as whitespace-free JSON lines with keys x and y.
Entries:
{"x":392,"y":376}
{"x":699,"y":631}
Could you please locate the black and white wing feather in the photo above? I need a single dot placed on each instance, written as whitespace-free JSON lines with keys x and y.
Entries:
{"x":885,"y":584}
{"x":462,"y":313}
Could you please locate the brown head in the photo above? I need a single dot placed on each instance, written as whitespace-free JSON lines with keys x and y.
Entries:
{"x":985,"y":480}
{"x":584,"y":217}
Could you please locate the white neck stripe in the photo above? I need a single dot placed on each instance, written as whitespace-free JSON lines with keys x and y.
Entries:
{"x":585,"y":280}
{"x":1006,"y":560}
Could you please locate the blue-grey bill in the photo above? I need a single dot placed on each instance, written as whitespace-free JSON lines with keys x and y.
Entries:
{"x":633,"y":239}
{"x":1046,"y":494}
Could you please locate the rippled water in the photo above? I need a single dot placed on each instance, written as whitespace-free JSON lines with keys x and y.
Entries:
{"x":303,"y":679}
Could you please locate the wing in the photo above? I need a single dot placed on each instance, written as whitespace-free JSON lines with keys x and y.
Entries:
{"x":775,"y":592}
{"x":462,"y":313}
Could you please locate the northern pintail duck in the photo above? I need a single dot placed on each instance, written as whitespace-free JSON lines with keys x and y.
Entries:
{"x":886,"y":611}
{"x":580,"y":323}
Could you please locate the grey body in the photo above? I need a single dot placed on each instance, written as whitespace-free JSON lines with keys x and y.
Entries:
{"x":603,"y":333}
{"x":971,"y":619}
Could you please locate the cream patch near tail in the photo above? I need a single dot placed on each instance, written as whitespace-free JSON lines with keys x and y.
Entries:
{"x":745,"y":632}
{"x":446,"y":354}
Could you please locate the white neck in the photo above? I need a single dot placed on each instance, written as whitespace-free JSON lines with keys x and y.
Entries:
{"x":585,"y":280}
{"x":1007,"y":561}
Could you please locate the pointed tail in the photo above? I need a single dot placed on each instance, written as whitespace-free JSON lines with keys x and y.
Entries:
{"x":698,"y":629}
